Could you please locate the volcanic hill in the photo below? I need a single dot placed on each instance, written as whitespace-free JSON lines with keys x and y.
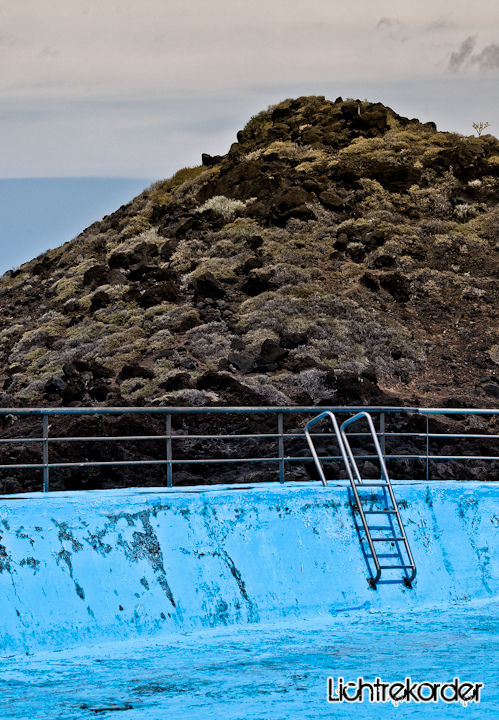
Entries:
{"x":337,"y":254}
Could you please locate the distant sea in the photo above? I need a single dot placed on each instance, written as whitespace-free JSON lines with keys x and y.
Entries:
{"x":38,"y":214}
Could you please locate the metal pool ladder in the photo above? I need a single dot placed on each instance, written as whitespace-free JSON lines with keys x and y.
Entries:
{"x":394,"y":532}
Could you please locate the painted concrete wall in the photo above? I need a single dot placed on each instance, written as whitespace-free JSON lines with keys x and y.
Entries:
{"x":96,"y":566}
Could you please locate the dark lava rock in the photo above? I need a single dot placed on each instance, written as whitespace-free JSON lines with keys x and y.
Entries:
{"x":292,"y":339}
{"x":101,"y":275}
{"x":271,"y":357}
{"x":292,"y":204}
{"x":97,"y":369}
{"x":243,"y":361}
{"x":96,"y":275}
{"x":54,"y":386}
{"x":258,"y":282}
{"x":370,"y":374}
{"x":75,"y":391}
{"x":303,"y":362}
{"x":397,"y":285}
{"x":207,"y":285}
{"x":331,"y":200}
{"x":360,"y":390}
{"x":356,"y":252}
{"x":491,"y":390}
{"x":255,"y":242}
{"x":370,"y":281}
{"x":384,"y":261}
{"x":186,"y":363}
{"x":168,"y":249}
{"x":8,"y":401}
{"x":178,"y":381}
{"x":156,"y":294}
{"x":141,"y":254}
{"x":44,"y":266}
{"x":100,"y":299}
{"x":252,"y":263}
{"x":186,"y":224}
{"x":237,"y":344}
{"x":233,"y":392}
{"x":211,"y":160}
{"x":134,"y":371}
{"x":68,"y":371}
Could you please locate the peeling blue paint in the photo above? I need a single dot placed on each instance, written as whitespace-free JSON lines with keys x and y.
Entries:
{"x":78,"y":568}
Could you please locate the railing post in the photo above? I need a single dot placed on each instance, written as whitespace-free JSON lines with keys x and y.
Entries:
{"x":280,"y":430}
{"x":427,"y":448}
{"x":45,"y":454}
{"x":382,"y":433}
{"x":169,"y":466}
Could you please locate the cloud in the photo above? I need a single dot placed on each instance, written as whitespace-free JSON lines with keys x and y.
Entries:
{"x":387,"y":23}
{"x":464,"y":58}
{"x":392,"y":28}
{"x":440,"y":24}
{"x":488,"y":59}
{"x":460,"y":59}
{"x":9,"y":40}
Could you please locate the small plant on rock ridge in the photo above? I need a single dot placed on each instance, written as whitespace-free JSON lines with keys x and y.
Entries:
{"x":480,"y":127}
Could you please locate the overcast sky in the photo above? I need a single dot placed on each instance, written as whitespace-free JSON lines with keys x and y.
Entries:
{"x":139,"y":88}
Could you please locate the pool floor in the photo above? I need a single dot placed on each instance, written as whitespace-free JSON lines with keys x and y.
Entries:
{"x":264,"y":672}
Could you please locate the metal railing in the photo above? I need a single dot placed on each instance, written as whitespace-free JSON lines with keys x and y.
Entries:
{"x":170,"y":436}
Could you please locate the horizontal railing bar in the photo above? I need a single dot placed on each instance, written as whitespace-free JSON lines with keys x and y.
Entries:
{"x":296,"y":435}
{"x":462,"y":436}
{"x":162,"y":462}
{"x":245,"y":410}
{"x":458,"y":411}
{"x":21,"y":440}
{"x":266,"y":409}
{"x":176,"y":461}
{"x":186,"y":461}
{"x":462,"y":457}
{"x":163,"y":437}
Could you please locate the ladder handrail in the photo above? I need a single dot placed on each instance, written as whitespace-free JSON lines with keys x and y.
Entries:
{"x":386,"y":478}
{"x":336,"y":427}
{"x":377,"y":446}
{"x":351,"y":468}
{"x":356,"y":479}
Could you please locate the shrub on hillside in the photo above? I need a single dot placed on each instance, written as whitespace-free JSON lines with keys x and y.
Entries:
{"x":227,"y":208}
{"x":210,"y":342}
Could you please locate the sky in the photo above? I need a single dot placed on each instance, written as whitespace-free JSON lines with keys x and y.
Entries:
{"x":140,"y":88}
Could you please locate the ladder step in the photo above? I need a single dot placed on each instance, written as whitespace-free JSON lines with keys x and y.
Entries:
{"x":380,"y":512}
{"x":395,"y":567}
{"x":370,"y":484}
{"x":388,"y":539}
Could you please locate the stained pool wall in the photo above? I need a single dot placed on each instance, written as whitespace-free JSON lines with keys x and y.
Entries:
{"x":97,"y":566}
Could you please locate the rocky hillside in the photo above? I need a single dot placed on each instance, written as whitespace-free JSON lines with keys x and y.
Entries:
{"x":338,"y":253}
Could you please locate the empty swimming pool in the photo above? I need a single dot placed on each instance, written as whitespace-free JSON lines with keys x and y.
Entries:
{"x":240,"y":602}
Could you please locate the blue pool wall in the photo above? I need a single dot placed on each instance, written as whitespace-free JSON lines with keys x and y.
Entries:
{"x":91,"y":567}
